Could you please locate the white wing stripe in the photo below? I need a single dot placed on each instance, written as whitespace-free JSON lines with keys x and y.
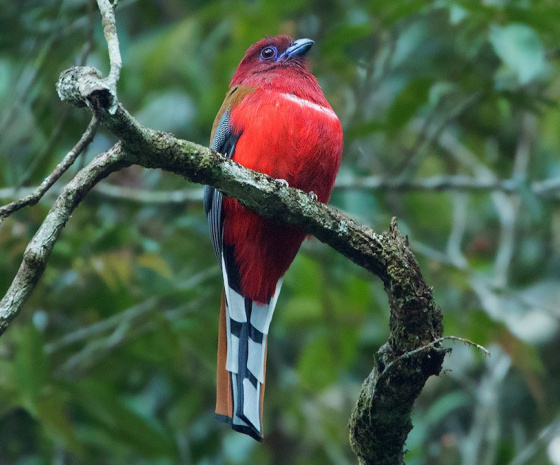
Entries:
{"x":308,"y":104}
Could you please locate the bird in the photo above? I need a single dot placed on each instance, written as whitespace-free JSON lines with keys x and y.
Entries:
{"x":276,"y":120}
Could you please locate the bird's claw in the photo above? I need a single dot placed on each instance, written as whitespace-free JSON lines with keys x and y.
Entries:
{"x":313,"y":196}
{"x":283,"y":182}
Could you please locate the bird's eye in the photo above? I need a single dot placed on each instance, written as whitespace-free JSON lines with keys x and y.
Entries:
{"x":268,"y":53}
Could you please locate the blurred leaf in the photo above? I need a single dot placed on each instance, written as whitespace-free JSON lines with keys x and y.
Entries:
{"x":156,"y":263}
{"x":520,"y":49}
{"x":115,"y":268}
{"x":443,"y":407}
{"x":408,"y":102}
{"x":52,"y":412}
{"x":315,"y":365}
{"x":31,"y":367}
{"x":344,"y":35}
{"x":105,"y":408}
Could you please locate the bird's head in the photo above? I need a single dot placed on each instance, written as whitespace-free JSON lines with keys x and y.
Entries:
{"x":272,"y":54}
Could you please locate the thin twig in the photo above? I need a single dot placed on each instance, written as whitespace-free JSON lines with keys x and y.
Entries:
{"x":38,"y":250}
{"x":61,"y":168}
{"x":547,"y":188}
{"x":120,"y":193}
{"x":481,"y":445}
{"x":435,"y":345}
{"x":39,"y":158}
{"x":508,"y":207}
{"x":96,"y":329}
{"x":149,"y":197}
{"x":125,"y":329}
{"x":433,"y":183}
{"x":107,"y":10}
{"x":89,"y":43}
{"x":464,"y":341}
{"x":428,"y":131}
{"x":458,"y":229}
{"x":547,"y":434}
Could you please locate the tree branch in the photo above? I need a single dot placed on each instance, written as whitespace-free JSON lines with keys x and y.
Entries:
{"x":117,"y":192}
{"x":548,"y":188}
{"x":380,"y":421}
{"x":107,"y":10}
{"x":67,"y":161}
{"x":38,"y":250}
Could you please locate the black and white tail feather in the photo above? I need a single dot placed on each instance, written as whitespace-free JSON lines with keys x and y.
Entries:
{"x":247,"y":325}
{"x":246,"y":322}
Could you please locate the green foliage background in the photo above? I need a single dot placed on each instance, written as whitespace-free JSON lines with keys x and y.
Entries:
{"x":113,"y":359}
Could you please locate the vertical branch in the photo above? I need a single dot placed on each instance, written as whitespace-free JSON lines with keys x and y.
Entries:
{"x":480,"y":448}
{"x":454,"y":252}
{"x":508,"y":206}
{"x":110,"y":30}
{"x":380,"y":421}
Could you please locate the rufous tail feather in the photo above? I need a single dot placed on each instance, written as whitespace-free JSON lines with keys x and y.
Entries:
{"x":242,"y":350}
{"x":224,"y":401}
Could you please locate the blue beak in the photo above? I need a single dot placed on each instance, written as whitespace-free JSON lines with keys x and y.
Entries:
{"x":298,"y":48}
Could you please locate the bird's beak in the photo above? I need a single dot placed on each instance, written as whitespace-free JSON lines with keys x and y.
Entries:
{"x":298,"y":48}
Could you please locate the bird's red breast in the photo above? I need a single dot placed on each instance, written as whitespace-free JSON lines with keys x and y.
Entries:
{"x":289,"y":131}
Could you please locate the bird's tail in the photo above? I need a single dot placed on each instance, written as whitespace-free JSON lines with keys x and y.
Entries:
{"x":242,"y":345}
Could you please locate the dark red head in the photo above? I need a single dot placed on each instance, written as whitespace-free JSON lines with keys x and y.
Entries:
{"x":273,"y":54}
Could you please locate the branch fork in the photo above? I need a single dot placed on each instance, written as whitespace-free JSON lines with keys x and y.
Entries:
{"x":380,"y":421}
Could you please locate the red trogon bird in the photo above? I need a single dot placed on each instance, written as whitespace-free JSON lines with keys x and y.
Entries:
{"x":276,"y":120}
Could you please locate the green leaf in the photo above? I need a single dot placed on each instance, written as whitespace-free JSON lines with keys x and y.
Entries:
{"x":408,"y":102}
{"x":316,"y":364}
{"x":520,"y":49}
{"x":115,"y":268}
{"x":31,"y":367}
{"x":345,"y":35}
{"x":55,"y":419}
{"x":108,"y":410}
{"x":443,"y":407}
{"x":157,"y":263}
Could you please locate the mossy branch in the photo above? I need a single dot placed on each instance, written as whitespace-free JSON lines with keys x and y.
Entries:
{"x":380,"y":421}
